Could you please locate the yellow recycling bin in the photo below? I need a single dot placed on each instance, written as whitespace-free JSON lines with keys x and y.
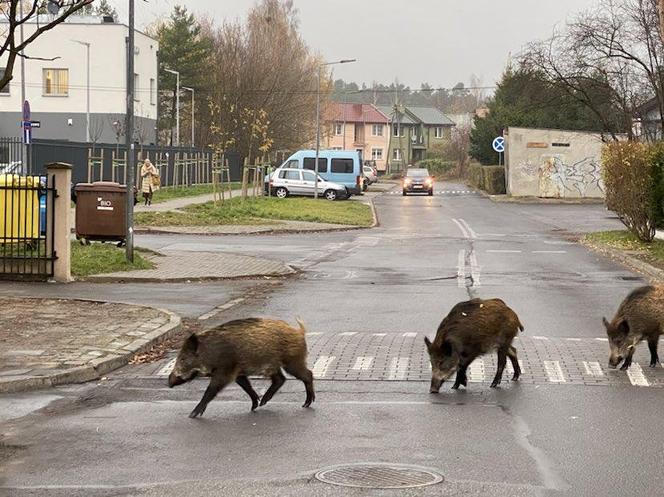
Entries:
{"x":19,"y":208}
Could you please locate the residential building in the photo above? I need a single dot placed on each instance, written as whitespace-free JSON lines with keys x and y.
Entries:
{"x":56,"y":82}
{"x":361,"y":127}
{"x":414,"y":130}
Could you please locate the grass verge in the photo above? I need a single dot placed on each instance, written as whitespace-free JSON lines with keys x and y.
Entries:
{"x":99,"y":258}
{"x":652,"y":253}
{"x":171,"y":192}
{"x":262,"y":210}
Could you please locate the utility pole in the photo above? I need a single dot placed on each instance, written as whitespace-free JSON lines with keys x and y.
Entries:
{"x":129,"y":136}
{"x":177,"y":105}
{"x":193,"y":115}
{"x":24,"y":148}
{"x":87,"y":90}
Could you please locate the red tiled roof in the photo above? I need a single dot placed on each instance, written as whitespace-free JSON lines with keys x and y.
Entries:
{"x":357,"y":113}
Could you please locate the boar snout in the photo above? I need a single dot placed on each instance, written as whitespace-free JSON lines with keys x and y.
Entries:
{"x":614,"y":361}
{"x":175,"y":380}
{"x":436,"y":383}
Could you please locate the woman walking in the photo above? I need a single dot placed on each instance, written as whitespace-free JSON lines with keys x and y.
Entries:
{"x":149,"y":181}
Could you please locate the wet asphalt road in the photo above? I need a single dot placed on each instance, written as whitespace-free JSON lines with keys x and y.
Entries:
{"x":371,"y":294}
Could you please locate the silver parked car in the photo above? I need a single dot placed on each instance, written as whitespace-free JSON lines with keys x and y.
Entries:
{"x":370,"y":174}
{"x":286,"y":181}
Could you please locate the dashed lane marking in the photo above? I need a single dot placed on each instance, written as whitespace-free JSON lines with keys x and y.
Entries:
{"x":503,"y":251}
{"x":636,"y":376}
{"x":549,"y":251}
{"x":398,"y":368}
{"x":363,"y":363}
{"x":554,"y":372}
{"x":593,"y":368}
{"x":321,"y":365}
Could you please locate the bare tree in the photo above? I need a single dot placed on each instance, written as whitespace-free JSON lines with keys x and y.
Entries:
{"x":12,"y":47}
{"x":96,"y":128}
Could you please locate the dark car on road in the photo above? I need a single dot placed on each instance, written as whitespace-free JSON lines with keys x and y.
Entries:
{"x":417,"y":180}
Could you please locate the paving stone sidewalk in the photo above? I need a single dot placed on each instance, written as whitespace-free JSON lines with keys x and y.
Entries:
{"x":177,"y":266}
{"x":179,"y":203}
{"x":46,"y":342}
{"x":242,"y":229}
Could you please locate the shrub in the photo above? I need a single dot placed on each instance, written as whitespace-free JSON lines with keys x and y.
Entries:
{"x":657,"y":199}
{"x":477,"y":175}
{"x":437,"y":167}
{"x":494,"y":179}
{"x":628,"y":176}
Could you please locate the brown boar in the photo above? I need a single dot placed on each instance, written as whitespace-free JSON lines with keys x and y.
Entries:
{"x":639,"y":317}
{"x":237,"y":349}
{"x":471,"y":329}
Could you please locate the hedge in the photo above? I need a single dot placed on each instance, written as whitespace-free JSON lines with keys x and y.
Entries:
{"x":494,"y":179}
{"x":657,"y":199}
{"x":437,"y":167}
{"x":477,"y":175}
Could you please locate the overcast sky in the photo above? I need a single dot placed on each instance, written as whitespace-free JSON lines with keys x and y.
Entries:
{"x":440,"y":42}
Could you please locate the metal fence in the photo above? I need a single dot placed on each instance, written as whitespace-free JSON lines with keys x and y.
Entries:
{"x":26,"y":227}
{"x":11,"y":156}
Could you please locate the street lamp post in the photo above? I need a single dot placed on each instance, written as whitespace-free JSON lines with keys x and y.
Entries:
{"x":193,"y":101}
{"x":177,"y":105}
{"x":87,"y":89}
{"x":320,"y":67}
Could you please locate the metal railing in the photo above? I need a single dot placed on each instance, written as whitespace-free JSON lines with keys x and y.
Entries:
{"x":11,"y":156}
{"x":26,"y":227}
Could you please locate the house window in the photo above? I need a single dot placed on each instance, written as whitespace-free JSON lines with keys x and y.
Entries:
{"x":377,"y":130}
{"x":153,"y":93}
{"x":56,"y":82}
{"x":438,"y":132}
{"x":395,"y":129}
{"x":396,"y":154}
{"x":5,"y":89}
{"x":136,"y":99}
{"x":338,"y":129}
{"x":376,"y":154}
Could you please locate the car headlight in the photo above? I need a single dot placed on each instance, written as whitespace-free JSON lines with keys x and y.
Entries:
{"x":407,"y":181}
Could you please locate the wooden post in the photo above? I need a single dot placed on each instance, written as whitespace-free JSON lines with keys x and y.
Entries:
{"x":245,"y":178}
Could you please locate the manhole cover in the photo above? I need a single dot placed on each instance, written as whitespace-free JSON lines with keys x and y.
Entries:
{"x":378,"y":475}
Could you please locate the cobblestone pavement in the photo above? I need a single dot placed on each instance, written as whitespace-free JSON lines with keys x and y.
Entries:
{"x":179,"y":203}
{"x":48,"y":337}
{"x":184,"y":266}
{"x":402,"y":357}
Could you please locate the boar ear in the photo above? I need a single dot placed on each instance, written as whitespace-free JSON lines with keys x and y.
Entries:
{"x":623,"y":326}
{"x":191,"y":345}
{"x":427,"y":342}
{"x":606,"y":323}
{"x":446,"y":348}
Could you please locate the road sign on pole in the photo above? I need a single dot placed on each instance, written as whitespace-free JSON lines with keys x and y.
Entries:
{"x":499,"y":144}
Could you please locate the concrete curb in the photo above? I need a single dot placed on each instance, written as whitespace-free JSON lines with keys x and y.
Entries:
{"x":96,"y":367}
{"x":654,"y":274}
{"x":113,"y":279}
{"x":507,"y":199}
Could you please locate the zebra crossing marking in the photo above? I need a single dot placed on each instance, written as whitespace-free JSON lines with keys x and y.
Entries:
{"x":363,"y":363}
{"x":476,"y":371}
{"x":398,"y":368}
{"x":409,"y":335}
{"x":636,"y":376}
{"x":321,"y":366}
{"x":593,"y":368}
{"x":348,"y":333}
{"x":554,"y":372}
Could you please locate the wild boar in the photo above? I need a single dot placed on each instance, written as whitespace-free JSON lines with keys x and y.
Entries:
{"x":237,"y":349}
{"x":639,"y":317}
{"x":471,"y":329}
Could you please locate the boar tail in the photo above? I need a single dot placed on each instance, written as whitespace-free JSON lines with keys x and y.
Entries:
{"x":300,"y":323}
{"x":521,"y":328}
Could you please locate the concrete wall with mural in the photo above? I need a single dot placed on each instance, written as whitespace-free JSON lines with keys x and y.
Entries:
{"x":551,"y":163}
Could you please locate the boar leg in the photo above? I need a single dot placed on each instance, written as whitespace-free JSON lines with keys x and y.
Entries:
{"x":243,"y":381}
{"x":305,"y":375}
{"x":511,"y":353}
{"x":217,"y":383}
{"x":652,"y":345}
{"x":461,"y":378}
{"x":502,"y":360}
{"x":628,"y":360}
{"x":278,"y":379}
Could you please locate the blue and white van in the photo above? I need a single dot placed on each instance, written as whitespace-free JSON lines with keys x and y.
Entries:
{"x":338,"y":166}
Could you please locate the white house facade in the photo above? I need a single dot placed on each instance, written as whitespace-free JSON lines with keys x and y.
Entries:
{"x":57,"y":88}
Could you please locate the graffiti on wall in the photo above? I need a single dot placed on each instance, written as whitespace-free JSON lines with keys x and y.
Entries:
{"x":579,"y":179}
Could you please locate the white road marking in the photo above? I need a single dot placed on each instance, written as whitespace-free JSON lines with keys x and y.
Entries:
{"x":461,"y":269}
{"x":510,"y":369}
{"x":602,"y":339}
{"x":549,"y":251}
{"x":537,"y":337}
{"x":470,"y":230}
{"x":398,"y":368}
{"x":593,"y":368}
{"x":379,"y":334}
{"x":636,"y":376}
{"x":409,"y":335}
{"x":461,"y":227}
{"x":497,"y":251}
{"x":348,"y":333}
{"x":313,"y":333}
{"x":166,"y":370}
{"x":474,"y":269}
{"x":363,"y":363}
{"x":573,"y":339}
{"x":554,"y":372}
{"x":476,"y":371}
{"x":321,"y":365}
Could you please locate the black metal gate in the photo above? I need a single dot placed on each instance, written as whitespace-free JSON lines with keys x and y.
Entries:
{"x":27,"y":227}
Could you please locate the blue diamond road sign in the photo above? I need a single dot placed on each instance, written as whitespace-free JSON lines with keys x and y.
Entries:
{"x":499,"y":144}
